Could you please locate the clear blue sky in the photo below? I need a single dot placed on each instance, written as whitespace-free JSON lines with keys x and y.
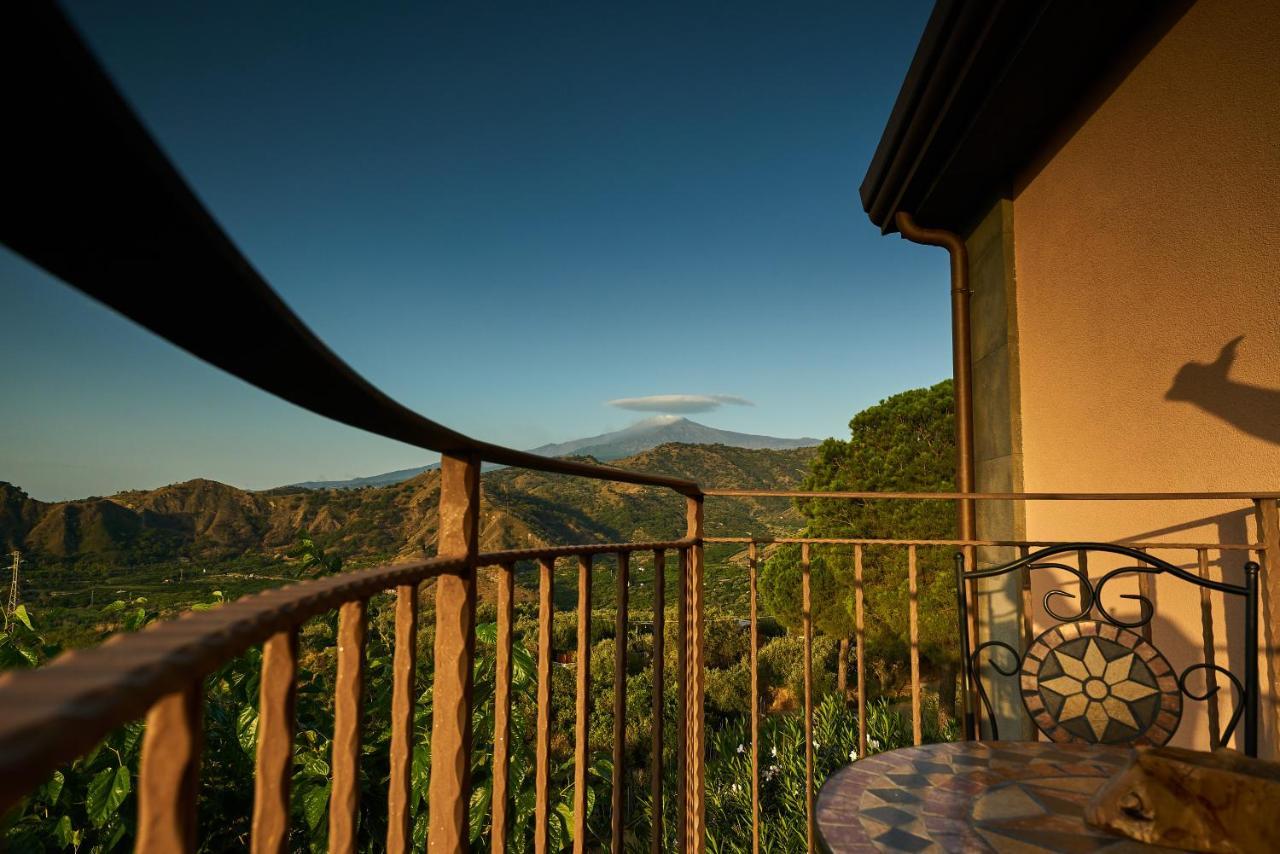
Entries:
{"x":505,"y":215}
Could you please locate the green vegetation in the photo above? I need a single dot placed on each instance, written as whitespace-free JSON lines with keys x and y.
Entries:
{"x":89,"y":805}
{"x":904,"y":444}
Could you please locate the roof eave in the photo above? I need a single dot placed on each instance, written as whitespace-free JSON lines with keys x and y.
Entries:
{"x":991,"y":87}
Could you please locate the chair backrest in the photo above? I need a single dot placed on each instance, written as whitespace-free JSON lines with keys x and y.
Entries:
{"x":1094,"y":677}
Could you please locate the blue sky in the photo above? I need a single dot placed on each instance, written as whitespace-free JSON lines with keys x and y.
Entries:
{"x":506,"y":217}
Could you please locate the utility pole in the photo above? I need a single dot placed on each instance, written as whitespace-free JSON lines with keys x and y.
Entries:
{"x":12,"y":605}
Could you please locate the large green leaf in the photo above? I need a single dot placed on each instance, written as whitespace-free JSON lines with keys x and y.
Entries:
{"x":247,"y":729}
{"x":21,"y":615}
{"x":315,"y":802}
{"x":107,"y":791}
{"x":63,"y":833}
{"x":313,"y":764}
{"x":53,"y":789}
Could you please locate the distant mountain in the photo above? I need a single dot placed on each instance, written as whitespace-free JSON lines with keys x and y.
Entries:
{"x":639,"y":437}
{"x":663,"y":430}
{"x":388,"y":479}
{"x":206,"y":520}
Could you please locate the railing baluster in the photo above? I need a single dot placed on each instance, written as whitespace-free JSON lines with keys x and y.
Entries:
{"x":502,"y":707}
{"x":659,"y":651}
{"x":273,"y":772}
{"x":806,"y":614}
{"x":755,"y":706}
{"x":583,"y":726}
{"x":403,"y":667}
{"x":449,"y":795}
{"x":542,"y":781}
{"x":620,"y":702}
{"x":682,"y":688}
{"x":913,"y":613}
{"x":1210,"y":649}
{"x":695,"y":760}
{"x":860,"y":634}
{"x":169,"y":773}
{"x":344,"y":797}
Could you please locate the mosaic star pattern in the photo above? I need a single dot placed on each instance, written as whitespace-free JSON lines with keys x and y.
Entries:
{"x":1102,"y":684}
{"x":1025,"y":797}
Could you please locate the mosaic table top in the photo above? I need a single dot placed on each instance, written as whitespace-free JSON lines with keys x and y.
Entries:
{"x":1004,"y":796}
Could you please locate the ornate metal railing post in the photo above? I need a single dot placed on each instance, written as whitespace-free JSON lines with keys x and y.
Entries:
{"x":450,"y":789}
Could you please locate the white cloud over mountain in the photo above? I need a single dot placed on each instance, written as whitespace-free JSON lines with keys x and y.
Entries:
{"x":679,"y":403}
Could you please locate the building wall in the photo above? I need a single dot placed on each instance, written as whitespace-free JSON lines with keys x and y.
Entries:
{"x":1145,"y":246}
{"x":997,"y":442}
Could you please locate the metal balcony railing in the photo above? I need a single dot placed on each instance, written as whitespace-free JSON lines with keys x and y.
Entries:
{"x":51,"y":715}
{"x":854,"y":551}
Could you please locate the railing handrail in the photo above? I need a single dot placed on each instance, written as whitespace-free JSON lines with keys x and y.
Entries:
{"x":996,"y":496}
{"x":59,"y":711}
{"x":863,"y":541}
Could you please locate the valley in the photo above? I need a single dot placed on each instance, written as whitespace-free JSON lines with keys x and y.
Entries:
{"x":199,"y":540}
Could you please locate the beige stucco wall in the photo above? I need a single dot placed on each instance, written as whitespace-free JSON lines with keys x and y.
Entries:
{"x":1144,"y":245}
{"x":997,"y":444}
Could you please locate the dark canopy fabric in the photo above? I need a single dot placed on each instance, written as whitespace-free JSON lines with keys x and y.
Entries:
{"x":90,"y":197}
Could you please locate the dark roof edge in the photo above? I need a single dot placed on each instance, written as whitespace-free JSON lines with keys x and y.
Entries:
{"x":993,"y":85}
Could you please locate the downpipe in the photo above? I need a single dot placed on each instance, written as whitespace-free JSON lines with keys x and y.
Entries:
{"x":962,"y":371}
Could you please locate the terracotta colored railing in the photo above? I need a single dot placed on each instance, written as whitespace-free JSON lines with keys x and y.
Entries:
{"x":55,"y":713}
{"x":1267,"y":550}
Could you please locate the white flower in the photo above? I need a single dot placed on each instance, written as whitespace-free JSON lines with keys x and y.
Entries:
{"x":873,"y":743}
{"x":775,"y":751}
{"x":853,"y":756}
{"x":742,"y":748}
{"x":816,"y":745}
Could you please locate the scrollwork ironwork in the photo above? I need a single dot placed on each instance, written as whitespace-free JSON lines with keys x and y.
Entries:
{"x":975,"y":671}
{"x":1146,"y":609}
{"x":1211,"y":690}
{"x":1088,"y":598}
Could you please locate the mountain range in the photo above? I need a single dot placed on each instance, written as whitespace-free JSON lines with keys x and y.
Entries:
{"x":206,"y":520}
{"x":639,"y":437}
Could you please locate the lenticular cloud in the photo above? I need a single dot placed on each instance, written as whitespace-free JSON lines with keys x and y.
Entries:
{"x":679,"y":403}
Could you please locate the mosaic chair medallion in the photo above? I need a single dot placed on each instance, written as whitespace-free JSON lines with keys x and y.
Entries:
{"x":1095,"y":677}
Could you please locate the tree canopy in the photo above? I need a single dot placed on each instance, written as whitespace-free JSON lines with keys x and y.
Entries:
{"x":905,"y":443}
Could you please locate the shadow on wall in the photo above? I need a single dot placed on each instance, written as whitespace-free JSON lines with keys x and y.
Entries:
{"x":1253,"y":409}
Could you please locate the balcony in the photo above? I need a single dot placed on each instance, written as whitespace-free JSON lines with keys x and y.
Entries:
{"x":408,"y":770}
{"x":63,"y":710}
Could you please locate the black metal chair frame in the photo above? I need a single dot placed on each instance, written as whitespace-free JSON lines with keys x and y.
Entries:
{"x":1246,"y":693}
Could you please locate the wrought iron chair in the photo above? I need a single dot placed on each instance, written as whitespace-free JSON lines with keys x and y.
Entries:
{"x":1096,"y":678}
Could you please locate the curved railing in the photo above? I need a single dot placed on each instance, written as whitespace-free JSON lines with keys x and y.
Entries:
{"x":92,"y":199}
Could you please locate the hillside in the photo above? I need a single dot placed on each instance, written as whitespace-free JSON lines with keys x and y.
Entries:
{"x":206,"y":520}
